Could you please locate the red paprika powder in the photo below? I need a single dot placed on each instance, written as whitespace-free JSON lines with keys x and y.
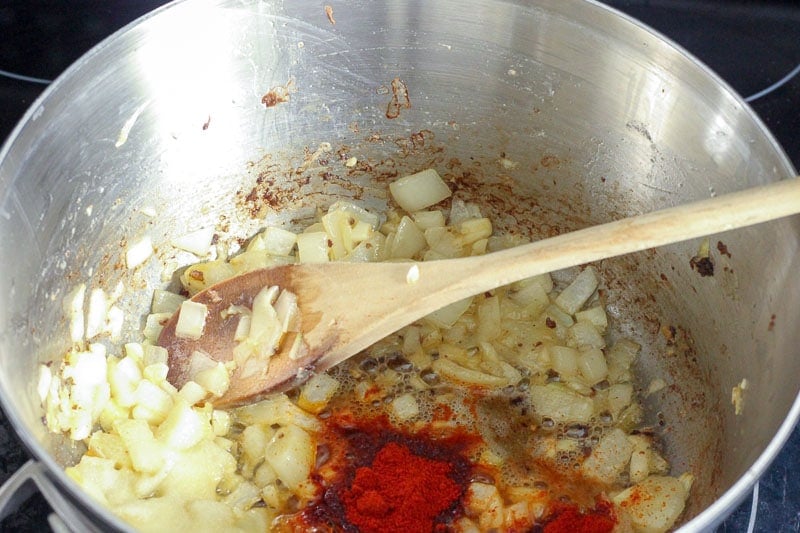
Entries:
{"x":569,"y":519}
{"x":399,"y":492}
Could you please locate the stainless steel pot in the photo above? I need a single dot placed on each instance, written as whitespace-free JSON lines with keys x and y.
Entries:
{"x":590,"y":115}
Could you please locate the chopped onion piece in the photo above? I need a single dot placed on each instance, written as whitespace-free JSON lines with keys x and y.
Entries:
{"x":655,"y":385}
{"x":278,"y":241}
{"x":45,"y":379}
{"x":197,"y":242}
{"x":609,"y":457}
{"x":448,"y":315}
{"x":461,"y":211}
{"x":265,"y":327}
{"x":115,"y":319}
{"x":579,"y":291}
{"x":73,"y":307}
{"x":408,"y":240}
{"x":287,"y":311}
{"x":139,"y":252}
{"x":165,"y":301}
{"x":199,"y":362}
{"x":654,"y":504}
{"x":405,"y":407}
{"x":456,"y":372}
{"x":359,"y":213}
{"x":154,"y":354}
{"x":475,"y":229}
{"x":193,"y":393}
{"x":191,"y":320}
{"x":316,"y":393}
{"x":183,"y":427}
{"x":585,"y":335}
{"x":420,"y":190}
{"x":561,"y":404}
{"x":242,"y":328}
{"x":592,"y":364}
{"x":428,"y":219}
{"x":313,"y":247}
{"x":298,"y":348}
{"x":216,"y":379}
{"x":291,"y":453}
{"x":97,"y":313}
{"x":595,"y":316}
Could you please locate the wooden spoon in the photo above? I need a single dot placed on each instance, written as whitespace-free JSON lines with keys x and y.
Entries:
{"x":346,"y":307}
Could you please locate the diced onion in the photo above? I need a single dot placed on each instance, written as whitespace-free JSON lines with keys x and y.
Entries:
{"x":73,"y":307}
{"x":313,"y":247}
{"x":197,"y":242}
{"x":216,"y":379}
{"x":316,"y":392}
{"x":139,"y":252}
{"x":278,"y":241}
{"x":165,"y":301}
{"x":191,"y":320}
{"x":428,"y":219}
{"x":405,"y":407}
{"x":287,"y":311}
{"x":291,"y":453}
{"x":579,"y":291}
{"x":97,"y":314}
{"x":592,"y":365}
{"x":420,"y":190}
{"x":447,"y":316}
{"x":559,"y":403}
{"x":408,"y":240}
{"x":609,"y":457}
{"x":654,"y":504}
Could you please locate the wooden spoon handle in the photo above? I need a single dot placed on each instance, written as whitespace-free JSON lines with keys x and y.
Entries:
{"x":658,"y":228}
{"x":442,"y":282}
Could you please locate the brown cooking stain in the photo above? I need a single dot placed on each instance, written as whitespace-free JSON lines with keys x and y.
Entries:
{"x":771,"y":326}
{"x":703,"y":265}
{"x":723,"y":249}
{"x":550,"y":161}
{"x":279,"y":94}
{"x":400,"y":99}
{"x":329,"y":14}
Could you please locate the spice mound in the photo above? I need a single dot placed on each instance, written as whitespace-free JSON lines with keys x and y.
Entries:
{"x":378,"y":478}
{"x":400,"y":492}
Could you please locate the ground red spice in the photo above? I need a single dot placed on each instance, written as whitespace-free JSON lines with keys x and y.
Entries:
{"x":400,"y":492}
{"x":569,"y":519}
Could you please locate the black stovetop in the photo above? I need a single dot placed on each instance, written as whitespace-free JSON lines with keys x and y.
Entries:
{"x":750,"y":44}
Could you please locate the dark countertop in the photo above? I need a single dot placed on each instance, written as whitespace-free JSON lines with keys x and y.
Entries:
{"x":750,"y":44}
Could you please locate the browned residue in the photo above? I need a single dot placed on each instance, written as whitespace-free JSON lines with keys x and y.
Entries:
{"x":278,"y":95}
{"x":723,"y":248}
{"x":329,"y":14}
{"x":400,"y":99}
{"x":771,"y":323}
{"x":550,"y":161}
{"x":703,"y":265}
{"x":668,"y":332}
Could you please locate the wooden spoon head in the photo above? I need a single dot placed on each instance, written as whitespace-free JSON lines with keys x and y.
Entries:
{"x":218,"y":342}
{"x":344,"y":308}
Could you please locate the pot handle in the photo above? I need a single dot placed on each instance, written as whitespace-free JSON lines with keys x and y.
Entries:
{"x":24,"y":483}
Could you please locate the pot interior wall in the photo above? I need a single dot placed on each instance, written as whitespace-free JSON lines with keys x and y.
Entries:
{"x":553,"y":116}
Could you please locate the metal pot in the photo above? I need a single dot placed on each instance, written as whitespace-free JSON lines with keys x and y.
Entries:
{"x":554,"y":115}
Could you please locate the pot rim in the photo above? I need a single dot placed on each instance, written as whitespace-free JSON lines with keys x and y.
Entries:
{"x":706,"y":519}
